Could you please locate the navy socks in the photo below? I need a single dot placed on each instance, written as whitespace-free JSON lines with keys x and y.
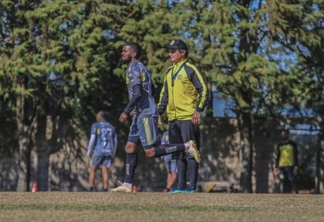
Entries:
{"x":166,"y":149}
{"x":131,"y":163}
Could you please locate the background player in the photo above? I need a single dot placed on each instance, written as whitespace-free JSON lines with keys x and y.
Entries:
{"x":102,"y":148}
{"x":170,"y":165}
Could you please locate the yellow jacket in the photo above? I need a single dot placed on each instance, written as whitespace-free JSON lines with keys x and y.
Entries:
{"x":184,"y":92}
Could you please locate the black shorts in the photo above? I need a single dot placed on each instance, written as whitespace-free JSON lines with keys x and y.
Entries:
{"x":181,"y":131}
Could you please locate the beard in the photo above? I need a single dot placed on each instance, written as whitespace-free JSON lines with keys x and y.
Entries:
{"x":125,"y":60}
{"x":285,"y":138}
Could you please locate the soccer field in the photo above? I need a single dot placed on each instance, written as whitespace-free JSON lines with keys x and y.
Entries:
{"x":97,"y":206}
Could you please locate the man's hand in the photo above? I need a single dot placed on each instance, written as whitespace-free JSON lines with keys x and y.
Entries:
{"x":123,"y":118}
{"x":90,"y":154}
{"x":160,"y":121}
{"x":196,"y":118}
{"x":295,"y":172}
{"x":275,"y":171}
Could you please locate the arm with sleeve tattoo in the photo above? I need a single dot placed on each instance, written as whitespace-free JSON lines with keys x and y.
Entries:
{"x":164,"y":97}
{"x":134,"y":100}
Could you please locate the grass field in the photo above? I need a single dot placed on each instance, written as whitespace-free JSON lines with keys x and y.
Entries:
{"x":97,"y":206}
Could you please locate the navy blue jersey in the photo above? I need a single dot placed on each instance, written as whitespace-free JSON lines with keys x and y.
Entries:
{"x":103,"y":139}
{"x":137,"y":74}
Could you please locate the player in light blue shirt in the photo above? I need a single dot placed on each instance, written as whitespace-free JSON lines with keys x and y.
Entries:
{"x":170,"y":165}
{"x":102,"y":148}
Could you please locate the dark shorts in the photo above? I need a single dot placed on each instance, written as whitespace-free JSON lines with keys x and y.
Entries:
{"x":181,"y":131}
{"x":144,"y":130}
{"x":101,"y":160}
{"x":286,"y":175}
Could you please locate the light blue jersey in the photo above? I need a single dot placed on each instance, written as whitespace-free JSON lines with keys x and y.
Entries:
{"x":169,"y":163}
{"x":165,"y":140}
{"x":103,"y":140}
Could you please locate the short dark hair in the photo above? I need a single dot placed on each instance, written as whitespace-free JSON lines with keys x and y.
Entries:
{"x":102,"y":114}
{"x":136,"y":48}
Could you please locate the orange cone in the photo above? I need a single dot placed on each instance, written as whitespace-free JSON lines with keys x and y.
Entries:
{"x":34,"y":188}
{"x":134,"y":188}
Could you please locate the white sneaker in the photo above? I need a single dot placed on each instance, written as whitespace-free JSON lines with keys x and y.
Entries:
{"x":122,"y":188}
{"x":193,"y":151}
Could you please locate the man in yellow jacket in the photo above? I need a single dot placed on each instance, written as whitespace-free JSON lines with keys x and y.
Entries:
{"x":183,"y":97}
{"x":287,"y":161}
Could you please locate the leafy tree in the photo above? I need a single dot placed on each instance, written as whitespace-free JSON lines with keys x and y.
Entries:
{"x":299,"y":29}
{"x":249,"y":49}
{"x":59,"y":64}
{"x":57,"y":70}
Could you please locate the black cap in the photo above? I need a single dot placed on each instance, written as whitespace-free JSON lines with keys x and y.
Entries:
{"x":176,"y":44}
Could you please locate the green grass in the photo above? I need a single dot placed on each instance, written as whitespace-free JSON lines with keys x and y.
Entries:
{"x":97,"y":206}
{"x":119,"y":207}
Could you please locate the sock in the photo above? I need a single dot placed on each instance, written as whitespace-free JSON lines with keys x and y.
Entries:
{"x":166,"y":149}
{"x":187,"y":146}
{"x":193,"y":173}
{"x":182,"y":174}
{"x":129,"y":185}
{"x":90,"y":189}
{"x":131,"y":163}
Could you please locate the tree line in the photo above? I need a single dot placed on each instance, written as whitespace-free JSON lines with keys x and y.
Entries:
{"x":59,"y":64}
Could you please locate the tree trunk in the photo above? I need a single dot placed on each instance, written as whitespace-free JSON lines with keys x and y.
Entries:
{"x":319,"y":183}
{"x":246,"y":154}
{"x":42,"y":170}
{"x":43,"y":148}
{"x":24,"y":133}
{"x":49,"y":129}
{"x":24,"y":159}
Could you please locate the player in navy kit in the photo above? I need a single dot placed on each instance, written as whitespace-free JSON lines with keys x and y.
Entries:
{"x":102,"y":148}
{"x":142,"y":108}
{"x":170,"y":165}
